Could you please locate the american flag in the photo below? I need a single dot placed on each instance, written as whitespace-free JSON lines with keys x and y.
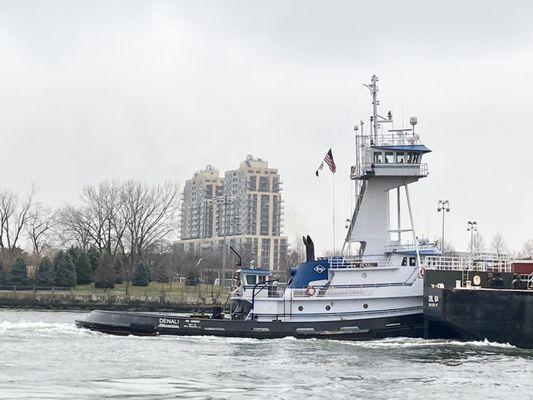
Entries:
{"x":329,"y":160}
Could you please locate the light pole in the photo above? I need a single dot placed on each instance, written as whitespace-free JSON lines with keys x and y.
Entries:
{"x":472,"y":227}
{"x":443,"y":206}
{"x":224,"y":200}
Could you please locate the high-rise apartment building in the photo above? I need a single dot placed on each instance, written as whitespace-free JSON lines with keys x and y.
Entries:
{"x":199,"y":204}
{"x":245,"y":207}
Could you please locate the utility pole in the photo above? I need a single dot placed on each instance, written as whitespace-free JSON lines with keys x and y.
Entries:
{"x":224,"y":200}
{"x":443,"y":206}
{"x":225,"y":233}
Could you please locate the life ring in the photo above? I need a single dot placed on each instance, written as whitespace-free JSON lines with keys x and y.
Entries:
{"x":310,"y":291}
{"x":421,"y":273}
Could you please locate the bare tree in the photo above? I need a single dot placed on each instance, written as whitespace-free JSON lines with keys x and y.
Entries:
{"x":527,"y":248}
{"x":98,"y":222}
{"x":150,"y":216}
{"x":477,"y":245}
{"x":74,"y":228}
{"x":41,"y":222}
{"x":14,"y":216}
{"x":125,"y":219}
{"x":103,"y":213}
{"x":498,"y":245}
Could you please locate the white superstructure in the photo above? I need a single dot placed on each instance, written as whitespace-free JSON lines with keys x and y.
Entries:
{"x":378,"y":274}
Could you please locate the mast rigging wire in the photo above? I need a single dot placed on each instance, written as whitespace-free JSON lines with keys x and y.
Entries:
{"x":306,"y":186}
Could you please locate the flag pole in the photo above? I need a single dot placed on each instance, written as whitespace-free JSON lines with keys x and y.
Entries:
{"x":333,"y":209}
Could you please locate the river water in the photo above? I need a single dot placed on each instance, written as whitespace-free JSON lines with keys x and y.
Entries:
{"x":44,"y":356}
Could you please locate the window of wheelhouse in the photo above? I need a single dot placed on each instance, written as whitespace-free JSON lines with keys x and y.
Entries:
{"x":404,"y":262}
{"x":389,"y":157}
{"x":413,"y":158}
{"x":400,"y":157}
{"x":251,"y":279}
{"x":378,"y":157}
{"x":412,"y":261}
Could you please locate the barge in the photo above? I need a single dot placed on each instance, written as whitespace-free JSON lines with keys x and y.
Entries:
{"x":479,"y":303}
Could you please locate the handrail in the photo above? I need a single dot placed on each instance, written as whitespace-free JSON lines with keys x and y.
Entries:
{"x":253,"y":292}
{"x":387,"y":139}
{"x":406,"y":247}
{"x":473,"y":262}
{"x":362,"y":168}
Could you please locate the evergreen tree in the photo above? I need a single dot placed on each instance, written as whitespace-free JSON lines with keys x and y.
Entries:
{"x":46,"y":274}
{"x":83,"y":268}
{"x":3,"y":277}
{"x":65,"y":270}
{"x":94,"y":258}
{"x":142,"y":275}
{"x":104,"y":276}
{"x":74,"y":253}
{"x":18,"y":274}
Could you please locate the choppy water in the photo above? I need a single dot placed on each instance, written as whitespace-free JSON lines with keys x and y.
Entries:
{"x":44,"y":356}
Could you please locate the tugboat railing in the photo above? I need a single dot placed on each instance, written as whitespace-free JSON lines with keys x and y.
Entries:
{"x":354,"y":262}
{"x":361,"y":170}
{"x":351,"y":289}
{"x":395,"y":248}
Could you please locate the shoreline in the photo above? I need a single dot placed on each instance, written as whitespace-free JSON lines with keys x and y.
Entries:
{"x":70,"y":300}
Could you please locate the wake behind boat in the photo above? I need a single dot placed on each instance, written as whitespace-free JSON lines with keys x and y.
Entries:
{"x":372,"y":290}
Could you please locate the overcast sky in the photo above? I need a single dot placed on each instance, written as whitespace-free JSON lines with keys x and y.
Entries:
{"x":96,"y":90}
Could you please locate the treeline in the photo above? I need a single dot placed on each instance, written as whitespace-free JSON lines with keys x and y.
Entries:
{"x":118,"y":231}
{"x":76,"y":266}
{"x":68,"y":268}
{"x":110,"y":234}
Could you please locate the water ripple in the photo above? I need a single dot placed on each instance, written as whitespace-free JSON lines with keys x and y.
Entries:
{"x":44,"y":356}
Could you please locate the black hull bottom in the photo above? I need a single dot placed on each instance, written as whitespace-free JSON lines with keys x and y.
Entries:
{"x":144,"y":324}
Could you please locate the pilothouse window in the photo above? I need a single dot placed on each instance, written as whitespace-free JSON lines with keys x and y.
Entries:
{"x":251,"y":279}
{"x":400,"y":157}
{"x":389,"y":157}
{"x":378,"y":157}
{"x":413,"y":158}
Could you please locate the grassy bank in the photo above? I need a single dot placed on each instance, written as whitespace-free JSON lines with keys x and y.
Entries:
{"x":154,"y":297}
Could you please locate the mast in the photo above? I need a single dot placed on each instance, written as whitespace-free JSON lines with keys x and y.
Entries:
{"x":384,"y":163}
{"x":374,"y":92}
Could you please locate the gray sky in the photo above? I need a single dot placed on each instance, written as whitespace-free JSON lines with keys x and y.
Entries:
{"x":95,"y":90}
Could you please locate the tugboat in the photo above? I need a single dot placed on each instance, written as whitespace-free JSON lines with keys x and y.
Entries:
{"x":374,"y":289}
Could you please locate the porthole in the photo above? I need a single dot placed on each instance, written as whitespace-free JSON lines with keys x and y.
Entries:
{"x":364,"y":275}
{"x":365,"y":305}
{"x":300,"y":308}
{"x":328,"y":308}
